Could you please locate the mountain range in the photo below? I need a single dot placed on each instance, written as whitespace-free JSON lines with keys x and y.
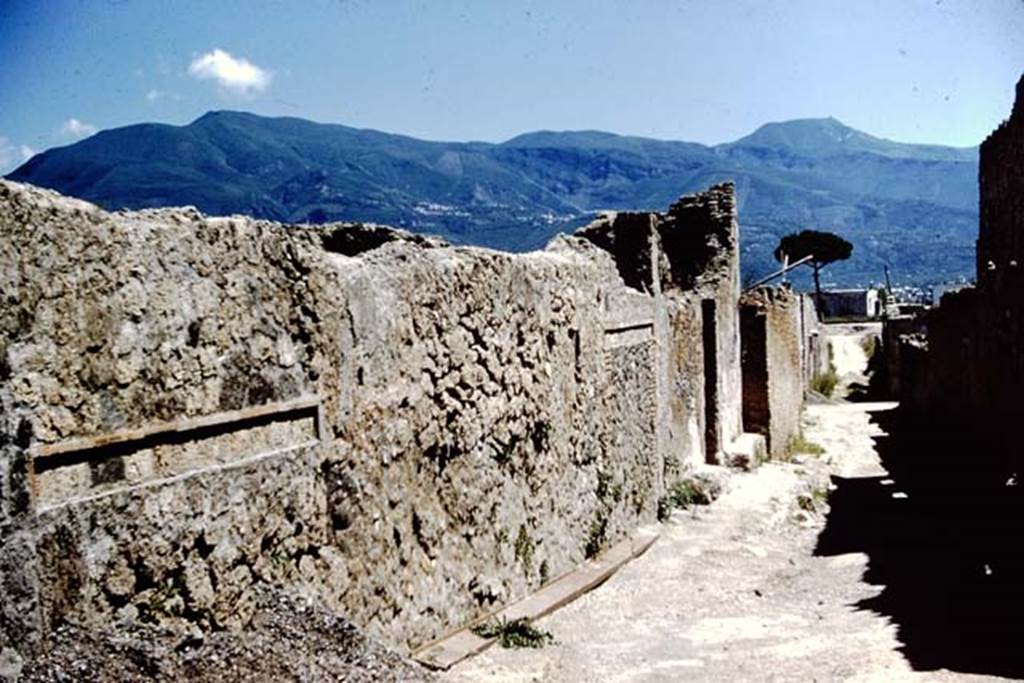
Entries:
{"x":913,"y":207}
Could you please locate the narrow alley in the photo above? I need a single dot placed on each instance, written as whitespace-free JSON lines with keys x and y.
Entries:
{"x":771,"y":582}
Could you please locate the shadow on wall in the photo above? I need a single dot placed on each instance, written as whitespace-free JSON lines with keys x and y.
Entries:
{"x":948,"y":553}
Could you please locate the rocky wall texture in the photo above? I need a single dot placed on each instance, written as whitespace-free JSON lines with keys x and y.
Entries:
{"x":482,"y":421}
{"x":1001,"y":180}
{"x":704,"y":263}
{"x":688,"y":259}
{"x":772,"y":330}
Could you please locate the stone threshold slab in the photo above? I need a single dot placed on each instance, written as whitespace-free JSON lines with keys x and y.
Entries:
{"x":453,"y":648}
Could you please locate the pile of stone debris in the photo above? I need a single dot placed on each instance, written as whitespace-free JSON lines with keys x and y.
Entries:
{"x":288,"y":639}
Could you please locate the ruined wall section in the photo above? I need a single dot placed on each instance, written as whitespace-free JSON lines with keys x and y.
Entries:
{"x":894,"y":328}
{"x":969,"y":371}
{"x":772,"y":365}
{"x":948,"y":374}
{"x":998,"y":345}
{"x":1000,"y":251}
{"x":816,"y":353}
{"x":688,"y":259}
{"x":114,"y":322}
{"x":503,"y":416}
{"x":700,"y":260}
{"x":684,"y":425}
{"x":447,"y":428}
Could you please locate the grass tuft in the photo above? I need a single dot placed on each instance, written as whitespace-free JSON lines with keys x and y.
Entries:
{"x":597,"y":539}
{"x":826,"y":382}
{"x":681,"y":495}
{"x":517,"y":633}
{"x":799,"y":444}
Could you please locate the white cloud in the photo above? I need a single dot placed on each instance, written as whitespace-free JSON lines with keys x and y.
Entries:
{"x":73,"y":128}
{"x":233,"y":74}
{"x":12,"y":156}
{"x":156,"y":95}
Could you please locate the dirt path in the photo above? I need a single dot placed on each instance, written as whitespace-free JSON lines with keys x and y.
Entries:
{"x":734,"y":591}
{"x":849,"y":353}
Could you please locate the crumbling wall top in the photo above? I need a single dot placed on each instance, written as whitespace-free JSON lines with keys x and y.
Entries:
{"x":700,"y":238}
{"x":1018,"y":106}
{"x":765,"y":296}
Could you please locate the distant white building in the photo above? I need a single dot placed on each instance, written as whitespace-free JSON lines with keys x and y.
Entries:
{"x":851,"y":303}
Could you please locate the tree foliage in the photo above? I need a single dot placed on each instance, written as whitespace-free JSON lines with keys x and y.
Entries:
{"x":823,"y":247}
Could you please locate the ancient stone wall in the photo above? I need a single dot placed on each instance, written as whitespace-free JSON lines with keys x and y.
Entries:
{"x":1001,"y":180}
{"x":704,"y":264}
{"x":776,"y":340}
{"x":894,"y":328}
{"x":969,"y":371}
{"x":688,"y":260}
{"x":410,"y":433}
{"x":816,"y":356}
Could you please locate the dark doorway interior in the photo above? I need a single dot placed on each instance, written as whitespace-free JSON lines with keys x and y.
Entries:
{"x":754,"y":365}
{"x":709,"y":335}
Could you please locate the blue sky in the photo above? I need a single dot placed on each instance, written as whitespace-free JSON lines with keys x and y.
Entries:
{"x":938,"y":71}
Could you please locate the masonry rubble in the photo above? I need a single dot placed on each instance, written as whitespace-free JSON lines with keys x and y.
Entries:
{"x":195,"y":409}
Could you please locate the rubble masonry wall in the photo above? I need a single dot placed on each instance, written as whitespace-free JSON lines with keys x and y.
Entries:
{"x":412,"y":434}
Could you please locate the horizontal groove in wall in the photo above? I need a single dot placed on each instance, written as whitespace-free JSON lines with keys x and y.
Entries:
{"x":157,"y":483}
{"x":85,"y":467}
{"x":629,"y":334}
{"x":180,"y":425}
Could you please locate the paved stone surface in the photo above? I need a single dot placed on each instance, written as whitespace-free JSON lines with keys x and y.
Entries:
{"x":734,"y":591}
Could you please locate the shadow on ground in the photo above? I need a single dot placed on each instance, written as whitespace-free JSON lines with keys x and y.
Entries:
{"x":945,"y":542}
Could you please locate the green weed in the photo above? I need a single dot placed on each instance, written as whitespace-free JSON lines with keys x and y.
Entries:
{"x":826,"y":382}
{"x":681,"y":495}
{"x":514,"y":634}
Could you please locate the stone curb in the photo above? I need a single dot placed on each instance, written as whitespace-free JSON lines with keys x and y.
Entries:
{"x":455,"y":647}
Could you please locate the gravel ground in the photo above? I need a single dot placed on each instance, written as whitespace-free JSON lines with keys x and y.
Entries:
{"x":735,"y":591}
{"x":848,"y":353}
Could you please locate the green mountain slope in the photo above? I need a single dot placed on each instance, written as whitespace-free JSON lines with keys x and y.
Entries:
{"x":912,"y":206}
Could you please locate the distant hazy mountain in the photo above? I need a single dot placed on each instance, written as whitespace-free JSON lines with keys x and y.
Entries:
{"x":913,"y":206}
